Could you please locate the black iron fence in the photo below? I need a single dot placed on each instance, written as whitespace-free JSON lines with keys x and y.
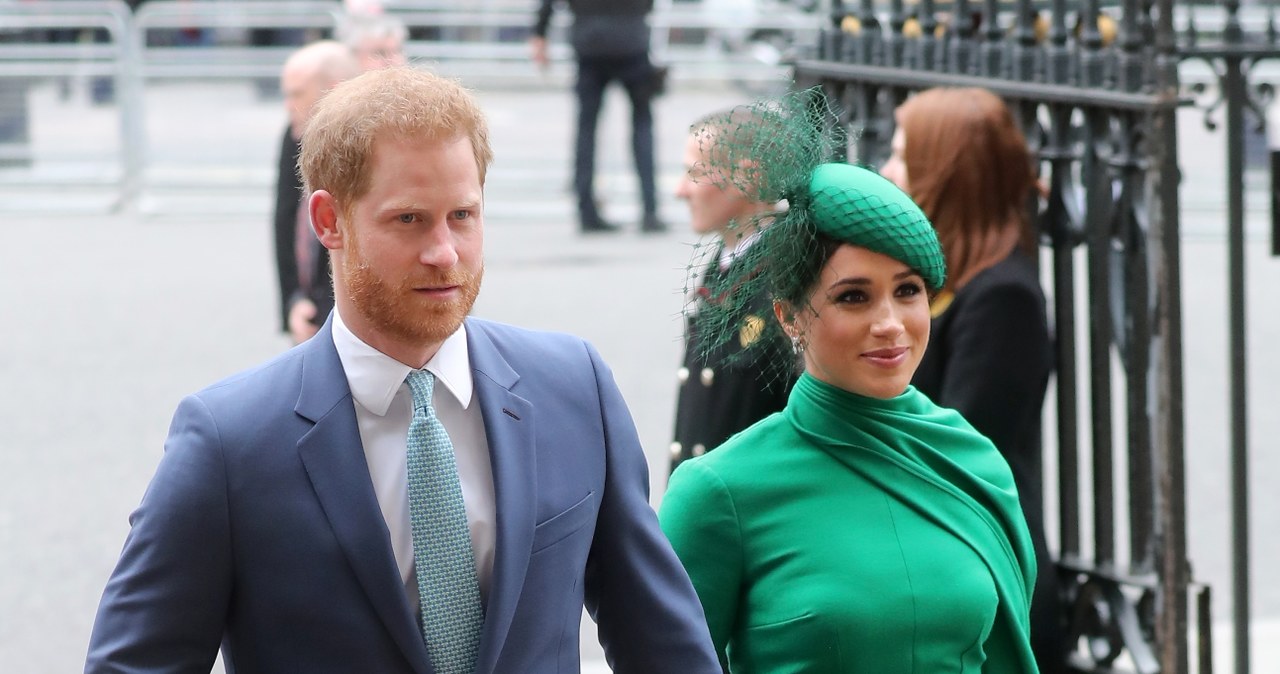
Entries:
{"x":1096,"y":87}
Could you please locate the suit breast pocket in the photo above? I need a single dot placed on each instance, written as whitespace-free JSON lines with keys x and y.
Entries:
{"x":559,"y":527}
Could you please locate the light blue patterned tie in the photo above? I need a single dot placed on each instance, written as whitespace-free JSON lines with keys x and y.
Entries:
{"x":448,"y":591}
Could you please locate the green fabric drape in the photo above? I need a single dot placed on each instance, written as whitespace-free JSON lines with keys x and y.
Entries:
{"x":932,"y":460}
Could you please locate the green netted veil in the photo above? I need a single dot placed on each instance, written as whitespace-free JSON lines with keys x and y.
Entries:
{"x":783,"y":150}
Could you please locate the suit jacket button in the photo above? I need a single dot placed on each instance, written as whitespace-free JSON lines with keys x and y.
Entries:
{"x":682,"y":375}
{"x":699,"y":449}
{"x":676,"y":449}
{"x":708,"y":376}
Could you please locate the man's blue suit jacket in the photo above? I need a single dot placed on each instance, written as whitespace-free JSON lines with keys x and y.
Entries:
{"x":260,"y":529}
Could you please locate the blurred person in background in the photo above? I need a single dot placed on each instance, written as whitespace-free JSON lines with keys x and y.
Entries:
{"x":610,"y":39}
{"x":377,"y":39}
{"x":302,"y":264}
{"x":960,"y":155}
{"x":725,"y":387}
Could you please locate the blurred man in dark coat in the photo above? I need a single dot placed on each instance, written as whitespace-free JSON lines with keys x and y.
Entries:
{"x":723,"y":390}
{"x":611,"y":41}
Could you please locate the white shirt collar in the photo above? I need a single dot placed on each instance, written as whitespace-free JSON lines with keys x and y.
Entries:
{"x":374,"y":377}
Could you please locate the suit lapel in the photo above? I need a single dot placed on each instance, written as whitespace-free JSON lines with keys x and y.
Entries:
{"x":335,"y":463}
{"x":508,"y":425}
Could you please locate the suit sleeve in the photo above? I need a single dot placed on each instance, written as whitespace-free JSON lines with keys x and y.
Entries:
{"x":648,"y":615}
{"x":698,"y":516}
{"x":164,"y":607}
{"x":998,"y":362}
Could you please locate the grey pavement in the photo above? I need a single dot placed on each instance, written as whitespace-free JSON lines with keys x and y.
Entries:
{"x":106,"y":320}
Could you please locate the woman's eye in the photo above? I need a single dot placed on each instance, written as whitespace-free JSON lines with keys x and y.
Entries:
{"x":909,"y":289}
{"x":851,"y":297}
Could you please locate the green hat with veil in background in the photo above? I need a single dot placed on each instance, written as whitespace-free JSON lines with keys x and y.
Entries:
{"x":784,"y":149}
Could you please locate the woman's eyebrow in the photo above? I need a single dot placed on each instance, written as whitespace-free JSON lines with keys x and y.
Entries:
{"x":863,"y":281}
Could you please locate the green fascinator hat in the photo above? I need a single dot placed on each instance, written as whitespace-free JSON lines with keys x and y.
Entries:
{"x":857,"y":206}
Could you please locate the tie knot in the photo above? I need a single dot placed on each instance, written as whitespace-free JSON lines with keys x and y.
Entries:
{"x":421,"y":385}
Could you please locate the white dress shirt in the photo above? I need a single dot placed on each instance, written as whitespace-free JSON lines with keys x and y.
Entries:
{"x":384,"y":407}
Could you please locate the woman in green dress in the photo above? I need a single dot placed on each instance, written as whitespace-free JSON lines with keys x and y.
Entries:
{"x":863,"y":528}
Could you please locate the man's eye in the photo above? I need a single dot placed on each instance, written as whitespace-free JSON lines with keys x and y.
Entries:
{"x":461,"y":214}
{"x":406,"y":218}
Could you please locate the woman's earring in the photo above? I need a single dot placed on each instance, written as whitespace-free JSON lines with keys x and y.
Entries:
{"x":797,"y":345}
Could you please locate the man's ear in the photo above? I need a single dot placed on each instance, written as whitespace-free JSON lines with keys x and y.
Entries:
{"x":324,"y":213}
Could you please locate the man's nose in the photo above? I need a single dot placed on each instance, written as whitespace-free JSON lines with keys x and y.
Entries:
{"x":439,"y":248}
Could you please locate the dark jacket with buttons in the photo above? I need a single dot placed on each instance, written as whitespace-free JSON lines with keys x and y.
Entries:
{"x":728,"y":389}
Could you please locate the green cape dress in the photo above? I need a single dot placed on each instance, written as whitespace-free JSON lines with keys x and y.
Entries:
{"x":853,"y":534}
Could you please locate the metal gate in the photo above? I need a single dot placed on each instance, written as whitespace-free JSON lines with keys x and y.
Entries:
{"x":1096,"y":86}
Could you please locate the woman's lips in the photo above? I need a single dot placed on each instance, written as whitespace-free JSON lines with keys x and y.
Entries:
{"x":887,"y":358}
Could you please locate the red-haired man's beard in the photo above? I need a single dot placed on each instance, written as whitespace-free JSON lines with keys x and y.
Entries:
{"x":394,"y":308}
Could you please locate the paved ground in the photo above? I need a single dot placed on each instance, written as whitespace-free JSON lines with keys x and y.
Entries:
{"x":106,"y":320}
